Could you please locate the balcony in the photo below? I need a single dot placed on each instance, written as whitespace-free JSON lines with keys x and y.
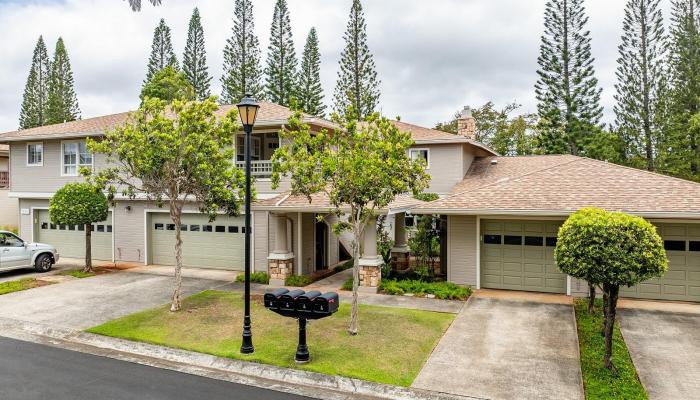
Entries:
{"x":257,"y":168}
{"x":4,"y":179}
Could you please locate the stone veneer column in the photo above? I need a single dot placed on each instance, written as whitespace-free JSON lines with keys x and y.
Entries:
{"x":281,"y":260}
{"x":400,"y":252}
{"x":370,"y":262}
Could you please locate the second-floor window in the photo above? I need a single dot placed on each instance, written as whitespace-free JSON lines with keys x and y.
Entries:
{"x":422,"y":154}
{"x":75,"y":155}
{"x":240,"y":148}
{"x":35,"y":154}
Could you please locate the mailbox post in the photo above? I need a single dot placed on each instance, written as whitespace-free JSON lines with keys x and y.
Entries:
{"x":303,"y":306}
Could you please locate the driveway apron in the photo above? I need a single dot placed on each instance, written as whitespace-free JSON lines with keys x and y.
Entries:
{"x":665,"y":349}
{"x":507,"y":349}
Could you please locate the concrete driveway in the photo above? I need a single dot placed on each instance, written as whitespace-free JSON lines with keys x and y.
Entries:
{"x":665,"y":349}
{"x":507,"y":349}
{"x":83,"y":303}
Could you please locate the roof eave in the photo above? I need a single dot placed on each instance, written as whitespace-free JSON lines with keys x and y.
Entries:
{"x":547,"y":213}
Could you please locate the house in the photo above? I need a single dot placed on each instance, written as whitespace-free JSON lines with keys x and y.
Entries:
{"x":9,"y":212}
{"x":501,"y":213}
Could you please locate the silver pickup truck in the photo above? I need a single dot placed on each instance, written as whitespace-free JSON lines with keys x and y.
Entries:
{"x":15,"y":253}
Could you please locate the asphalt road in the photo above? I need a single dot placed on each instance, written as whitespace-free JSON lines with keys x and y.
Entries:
{"x":31,"y":371}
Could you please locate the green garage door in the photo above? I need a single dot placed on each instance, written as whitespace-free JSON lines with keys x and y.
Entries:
{"x":682,"y":280}
{"x":218,"y":244}
{"x":70,"y":239}
{"x":519,"y":255}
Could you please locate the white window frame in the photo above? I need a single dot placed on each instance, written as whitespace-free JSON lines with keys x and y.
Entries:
{"x":77,"y":158}
{"x":40,"y":164}
{"x":419,"y":149}
{"x":255,"y":154}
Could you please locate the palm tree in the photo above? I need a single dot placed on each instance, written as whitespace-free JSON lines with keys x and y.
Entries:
{"x":136,"y":4}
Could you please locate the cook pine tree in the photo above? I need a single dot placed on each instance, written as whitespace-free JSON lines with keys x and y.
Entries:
{"x":162,"y":54}
{"x":36,"y":91}
{"x":194,"y":59}
{"x":242,"y":72}
{"x":309,"y":89}
{"x":567,"y":90}
{"x":680,"y":153}
{"x":357,"y":88}
{"x":641,"y":82}
{"x":281,"y":70}
{"x":62,"y":100}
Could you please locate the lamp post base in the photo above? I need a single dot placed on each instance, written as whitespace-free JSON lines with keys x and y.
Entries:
{"x":247,"y":344}
{"x":302,"y":355}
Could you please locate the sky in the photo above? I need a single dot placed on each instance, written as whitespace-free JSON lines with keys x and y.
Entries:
{"x":432,"y":57}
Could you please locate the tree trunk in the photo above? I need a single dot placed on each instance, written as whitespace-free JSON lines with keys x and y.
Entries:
{"x":591,"y":298}
{"x":605,"y":311}
{"x":176,"y":216}
{"x":88,"y":248}
{"x":353,"y":329}
{"x":613,"y":291}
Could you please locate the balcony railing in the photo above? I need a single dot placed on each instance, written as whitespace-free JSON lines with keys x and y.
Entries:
{"x":258,"y":168}
{"x":4,"y":179}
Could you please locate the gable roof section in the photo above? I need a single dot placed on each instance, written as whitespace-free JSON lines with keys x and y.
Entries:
{"x":270,"y":114}
{"x":422,"y":135}
{"x":561,"y":186}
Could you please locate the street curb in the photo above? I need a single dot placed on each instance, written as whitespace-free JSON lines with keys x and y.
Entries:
{"x":287,"y":380}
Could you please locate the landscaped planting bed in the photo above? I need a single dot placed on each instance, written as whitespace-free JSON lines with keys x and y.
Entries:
{"x":418,"y":288}
{"x":599,"y":383}
{"x":21,"y":284}
{"x":391,"y":347}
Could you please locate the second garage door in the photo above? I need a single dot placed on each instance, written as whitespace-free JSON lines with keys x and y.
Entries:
{"x":519,"y":255}
{"x":217,"y":244}
{"x":69,"y":240}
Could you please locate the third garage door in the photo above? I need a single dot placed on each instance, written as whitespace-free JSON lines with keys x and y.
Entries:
{"x":217,"y":244}
{"x":519,"y":255}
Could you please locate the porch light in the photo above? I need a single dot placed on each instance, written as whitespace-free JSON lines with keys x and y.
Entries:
{"x":248,"y":110}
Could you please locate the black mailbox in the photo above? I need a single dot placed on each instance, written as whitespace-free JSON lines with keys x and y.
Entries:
{"x":326,"y":303}
{"x":305,"y":302}
{"x":272,"y":298}
{"x":287,"y":301}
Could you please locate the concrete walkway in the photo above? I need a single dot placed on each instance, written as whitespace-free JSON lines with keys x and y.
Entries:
{"x":664,"y":346}
{"x":507,"y":349}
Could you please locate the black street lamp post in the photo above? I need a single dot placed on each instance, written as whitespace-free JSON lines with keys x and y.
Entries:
{"x":248,"y":111}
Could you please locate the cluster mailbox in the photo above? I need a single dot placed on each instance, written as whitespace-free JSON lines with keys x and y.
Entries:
{"x":302,"y":306}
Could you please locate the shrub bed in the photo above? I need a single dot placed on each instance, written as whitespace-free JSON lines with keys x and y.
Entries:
{"x":298,"y":280}
{"x":441,"y":290}
{"x":255,"y":277}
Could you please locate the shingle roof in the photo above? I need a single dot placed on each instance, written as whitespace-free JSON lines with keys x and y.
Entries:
{"x":422,"y":135}
{"x":320,"y":203}
{"x":564,"y":184}
{"x":269,"y":114}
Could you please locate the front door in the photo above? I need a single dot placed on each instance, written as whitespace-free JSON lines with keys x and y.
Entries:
{"x":13,"y":253}
{"x":321,"y":245}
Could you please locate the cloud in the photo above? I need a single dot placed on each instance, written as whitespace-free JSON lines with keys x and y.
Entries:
{"x":432,"y":57}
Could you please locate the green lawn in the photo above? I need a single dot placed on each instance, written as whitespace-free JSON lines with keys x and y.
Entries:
{"x":598,"y":382}
{"x":391,"y":348}
{"x":77,"y":273}
{"x":21,"y":284}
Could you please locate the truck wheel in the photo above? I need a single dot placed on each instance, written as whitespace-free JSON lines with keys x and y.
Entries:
{"x":43,"y":263}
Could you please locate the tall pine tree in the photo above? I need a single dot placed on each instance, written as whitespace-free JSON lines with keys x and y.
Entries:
{"x":36,"y":91}
{"x":357,"y":84}
{"x":162,"y":54}
{"x":242,"y":73}
{"x":310,"y":91}
{"x":679,"y":153}
{"x":281,"y":71}
{"x":194,"y":60}
{"x":567,"y":90}
{"x":641,"y":82}
{"x":63,"y":102}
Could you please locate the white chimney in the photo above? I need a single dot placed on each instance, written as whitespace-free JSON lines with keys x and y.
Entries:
{"x":466,"y":124}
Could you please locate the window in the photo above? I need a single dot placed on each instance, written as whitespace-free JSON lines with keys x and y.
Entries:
{"x":513,"y":240}
{"x":232,"y":229}
{"x":81,"y":227}
{"x":183,"y":227}
{"x":100,"y":228}
{"x":551,"y":241}
{"x":35,"y":154}
{"x":109,"y":228}
{"x":694,"y":246}
{"x":159,"y":227}
{"x":409,"y":220}
{"x":53,"y":226}
{"x":44,"y":225}
{"x":62,"y":227}
{"x":240,"y":148}
{"x":10,"y":240}
{"x":71,"y":227}
{"x":220,"y":229}
{"x":194,"y":228}
{"x":207,"y":228}
{"x":533,"y":241}
{"x":75,"y":155}
{"x":170,"y":227}
{"x":423,"y":154}
{"x":492,"y":239}
{"x":674,"y":245}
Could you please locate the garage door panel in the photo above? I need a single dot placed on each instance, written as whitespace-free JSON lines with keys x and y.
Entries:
{"x":694,"y":290}
{"x":555,"y":282}
{"x":512,"y":252}
{"x":532,"y":253}
{"x":533,"y":228}
{"x":509,"y":267}
{"x":538,"y":268}
{"x":70,"y":240}
{"x":671,"y":275}
{"x":533,"y":281}
{"x":675,"y":289}
{"x":512,"y":280}
{"x":510,"y":227}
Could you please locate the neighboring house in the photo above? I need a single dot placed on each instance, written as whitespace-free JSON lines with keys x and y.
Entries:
{"x":9,"y":211}
{"x":502,"y":213}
